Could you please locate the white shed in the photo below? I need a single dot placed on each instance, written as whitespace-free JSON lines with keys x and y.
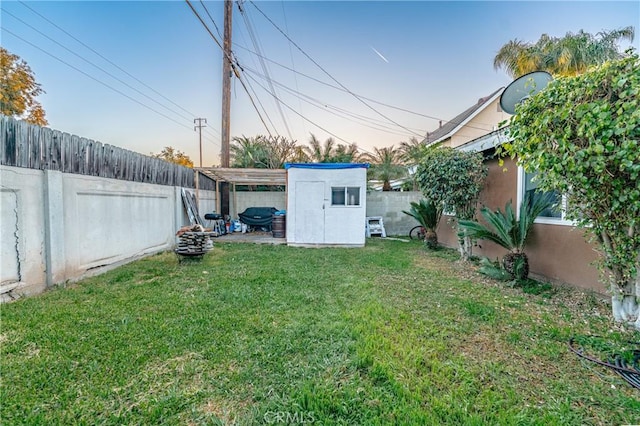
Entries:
{"x":326,"y":204}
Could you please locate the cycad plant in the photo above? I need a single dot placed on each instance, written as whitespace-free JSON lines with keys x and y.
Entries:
{"x":428,"y":216}
{"x":507,"y":231}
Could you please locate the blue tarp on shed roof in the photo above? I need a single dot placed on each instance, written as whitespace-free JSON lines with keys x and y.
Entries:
{"x":326,"y":166}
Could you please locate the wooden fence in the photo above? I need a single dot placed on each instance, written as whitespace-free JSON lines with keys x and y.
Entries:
{"x":30,"y":146}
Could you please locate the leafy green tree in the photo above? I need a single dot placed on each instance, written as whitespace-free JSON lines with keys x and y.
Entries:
{"x":428,"y":215}
{"x":582,"y":136}
{"x":19,"y":89}
{"x":173,"y":155}
{"x":453,"y":179}
{"x":561,"y":56}
{"x":386,"y":165}
{"x":509,"y":231}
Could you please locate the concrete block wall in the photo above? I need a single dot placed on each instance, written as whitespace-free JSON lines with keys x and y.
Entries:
{"x":57,"y":226}
{"x":389,"y":205}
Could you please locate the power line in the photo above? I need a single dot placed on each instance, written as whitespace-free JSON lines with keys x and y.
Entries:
{"x":431,"y":117}
{"x":295,"y":76}
{"x":96,"y":80}
{"x":107,"y":60}
{"x":256,"y":45}
{"x":297,"y":113}
{"x":231,"y":61}
{"x":319,"y":104}
{"x":328,"y":74}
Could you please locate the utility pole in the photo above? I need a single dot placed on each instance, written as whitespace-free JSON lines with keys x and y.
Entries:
{"x":226,"y":103}
{"x":199,"y":126}
{"x":226,"y":84}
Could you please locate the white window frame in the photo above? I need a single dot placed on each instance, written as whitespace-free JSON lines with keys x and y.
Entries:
{"x":546,"y":220}
{"x":346,"y":195}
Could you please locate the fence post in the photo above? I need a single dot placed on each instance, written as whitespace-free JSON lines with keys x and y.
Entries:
{"x":54,"y":245}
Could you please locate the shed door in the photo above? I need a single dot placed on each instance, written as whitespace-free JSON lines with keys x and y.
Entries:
{"x":309,"y":228}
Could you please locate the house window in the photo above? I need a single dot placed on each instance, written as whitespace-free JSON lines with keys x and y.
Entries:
{"x":552,"y":215}
{"x":345,"y":195}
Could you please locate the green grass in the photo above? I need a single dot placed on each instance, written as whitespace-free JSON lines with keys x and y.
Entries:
{"x":256,"y":334}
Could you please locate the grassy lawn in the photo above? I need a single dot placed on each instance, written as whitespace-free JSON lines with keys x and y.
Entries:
{"x":388,"y":334}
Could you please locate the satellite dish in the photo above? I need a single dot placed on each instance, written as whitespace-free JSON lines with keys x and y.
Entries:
{"x":523,"y":88}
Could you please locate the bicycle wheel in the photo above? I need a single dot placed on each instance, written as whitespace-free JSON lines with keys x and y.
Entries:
{"x":417,"y":233}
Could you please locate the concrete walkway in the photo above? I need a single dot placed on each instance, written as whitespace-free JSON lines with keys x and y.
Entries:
{"x":256,"y":237}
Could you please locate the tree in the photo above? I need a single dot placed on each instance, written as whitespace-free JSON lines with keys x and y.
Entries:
{"x":248,"y":152}
{"x":565,"y":56}
{"x":19,"y":89}
{"x":319,"y":153}
{"x":453,"y":179}
{"x":428,"y":215}
{"x":412,"y":151}
{"x":172,"y":155}
{"x":582,"y":136}
{"x":386,"y":165}
{"x":264,"y":152}
{"x":509,"y":232}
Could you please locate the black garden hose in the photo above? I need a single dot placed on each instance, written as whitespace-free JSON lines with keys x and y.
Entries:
{"x":630,"y":373}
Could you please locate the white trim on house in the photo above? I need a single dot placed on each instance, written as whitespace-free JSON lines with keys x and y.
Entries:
{"x":468,"y":119}
{"x":488,"y":141}
{"x":545,"y":220}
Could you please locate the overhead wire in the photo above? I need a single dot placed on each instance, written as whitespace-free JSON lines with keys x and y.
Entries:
{"x":324,"y":106}
{"x":431,"y":117}
{"x":328,"y":74}
{"x":96,"y":80}
{"x":191,"y":114}
{"x":230,"y":59}
{"x":256,"y":44}
{"x":297,"y":113}
{"x":295,"y":76}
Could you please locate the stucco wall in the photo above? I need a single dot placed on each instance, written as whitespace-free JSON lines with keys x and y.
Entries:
{"x":556,"y":252}
{"x":389,"y":205}
{"x":58,"y":226}
{"x":22,"y":225}
{"x":486,"y":121}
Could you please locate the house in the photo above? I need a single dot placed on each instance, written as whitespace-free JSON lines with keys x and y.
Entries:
{"x":557,"y":250}
{"x":474,"y":122}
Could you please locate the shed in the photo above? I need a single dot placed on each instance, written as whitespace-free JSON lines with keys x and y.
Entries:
{"x":326,"y":204}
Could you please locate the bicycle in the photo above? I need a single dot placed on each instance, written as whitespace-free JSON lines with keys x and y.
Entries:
{"x":417,"y":233}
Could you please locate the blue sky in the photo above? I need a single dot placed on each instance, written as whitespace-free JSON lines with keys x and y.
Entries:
{"x":437,"y":60}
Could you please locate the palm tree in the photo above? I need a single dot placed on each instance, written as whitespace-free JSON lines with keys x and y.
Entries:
{"x":508,"y":232}
{"x":428,"y":215}
{"x":565,"y":56}
{"x":346,"y":154}
{"x":386,"y":164}
{"x":248,"y":152}
{"x":320,"y":153}
{"x":412,"y":151}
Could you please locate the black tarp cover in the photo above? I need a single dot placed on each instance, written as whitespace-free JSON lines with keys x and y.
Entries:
{"x":257,"y":216}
